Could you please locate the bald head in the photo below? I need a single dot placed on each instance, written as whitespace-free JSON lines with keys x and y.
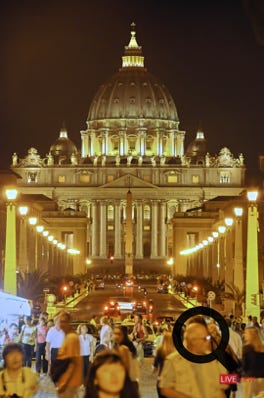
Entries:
{"x":197,"y":339}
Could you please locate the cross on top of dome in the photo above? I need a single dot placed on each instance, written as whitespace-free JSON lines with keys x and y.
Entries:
{"x":133,"y":57}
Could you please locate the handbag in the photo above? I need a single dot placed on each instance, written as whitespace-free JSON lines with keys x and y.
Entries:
{"x":58,"y":367}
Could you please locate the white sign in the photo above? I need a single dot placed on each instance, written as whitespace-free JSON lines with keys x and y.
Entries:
{"x":211,"y":295}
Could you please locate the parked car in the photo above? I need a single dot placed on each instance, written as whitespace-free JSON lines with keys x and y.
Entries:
{"x":140,"y":307}
{"x":99,"y":284}
{"x":111,"y":307}
{"x":163,"y":288}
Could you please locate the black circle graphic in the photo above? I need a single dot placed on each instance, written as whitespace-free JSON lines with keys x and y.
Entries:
{"x":177,"y":335}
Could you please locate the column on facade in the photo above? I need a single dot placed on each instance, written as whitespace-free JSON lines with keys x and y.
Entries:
{"x":154,"y":229}
{"x":142,"y":141}
{"x":139,"y":229}
{"x":92,"y":143}
{"x":117,"y":253}
{"x":161,"y":149}
{"x":106,"y":137}
{"x":23,"y":252}
{"x":179,"y":143}
{"x":157,"y":141}
{"x":102,"y":252}
{"x":122,"y":142}
{"x":94,"y":237}
{"x":104,"y":145}
{"x":229,"y":264}
{"x":84,"y":137}
{"x":162,"y":228}
{"x":172,"y":143}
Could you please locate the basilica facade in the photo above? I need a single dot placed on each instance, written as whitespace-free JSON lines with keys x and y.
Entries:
{"x":132,"y":142}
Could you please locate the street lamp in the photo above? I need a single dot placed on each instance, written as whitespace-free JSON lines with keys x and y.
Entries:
{"x":228,"y":265}
{"x":221,"y":230}
{"x":252,"y":272}
{"x":22,"y":248}
{"x":10,"y":277}
{"x":33,"y":222}
{"x":239,"y":280}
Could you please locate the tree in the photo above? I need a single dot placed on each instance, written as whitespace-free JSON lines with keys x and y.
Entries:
{"x":236,"y":295}
{"x":30,"y":285}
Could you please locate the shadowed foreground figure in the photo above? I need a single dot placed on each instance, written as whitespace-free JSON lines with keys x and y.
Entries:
{"x":108,"y":377}
{"x":15,"y":380}
{"x":181,"y":378}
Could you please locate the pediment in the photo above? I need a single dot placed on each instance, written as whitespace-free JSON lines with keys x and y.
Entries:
{"x":129,"y":180}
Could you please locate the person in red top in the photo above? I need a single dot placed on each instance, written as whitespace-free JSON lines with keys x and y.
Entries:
{"x":41,"y":361}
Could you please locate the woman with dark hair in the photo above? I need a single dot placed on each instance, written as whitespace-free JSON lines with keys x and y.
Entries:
{"x":15,"y":380}
{"x":127,"y":351}
{"x":108,"y":377}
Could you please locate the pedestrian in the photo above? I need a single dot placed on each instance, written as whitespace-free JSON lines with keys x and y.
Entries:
{"x":252,"y":362}
{"x":139,"y":335}
{"x":69,"y":381}
{"x":16,"y":380}
{"x":54,"y":339}
{"x":183,"y":378}
{"x":106,"y":333}
{"x":166,"y":347}
{"x":128,"y":352}
{"x":108,"y":377}
{"x":227,"y":356}
{"x":235,"y":340}
{"x":87,"y":347}
{"x":12,"y":334}
{"x":41,"y":361}
{"x":28,"y":340}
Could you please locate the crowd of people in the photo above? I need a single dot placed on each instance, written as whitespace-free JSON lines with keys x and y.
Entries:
{"x":110,"y":365}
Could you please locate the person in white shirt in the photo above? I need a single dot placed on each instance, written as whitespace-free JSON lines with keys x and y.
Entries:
{"x":87,"y":346}
{"x":54,"y":340}
{"x":235,"y":340}
{"x":106,"y":333}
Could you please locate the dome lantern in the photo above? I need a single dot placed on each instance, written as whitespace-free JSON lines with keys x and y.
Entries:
{"x":133,"y":57}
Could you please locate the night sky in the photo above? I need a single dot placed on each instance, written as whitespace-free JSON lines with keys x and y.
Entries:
{"x":55,"y":54}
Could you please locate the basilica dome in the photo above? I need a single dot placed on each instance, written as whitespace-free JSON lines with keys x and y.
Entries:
{"x":132,"y":93}
{"x":63,"y":147}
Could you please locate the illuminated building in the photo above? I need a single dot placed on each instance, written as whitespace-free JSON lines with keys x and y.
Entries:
{"x":132,"y":141}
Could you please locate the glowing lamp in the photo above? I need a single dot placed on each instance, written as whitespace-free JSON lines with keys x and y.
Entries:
{"x":229,"y":221}
{"x":32,"y":220}
{"x":215,"y":234}
{"x":252,"y":196}
{"x":221,"y":229}
{"x":238,"y":211}
{"x":39,"y":228}
{"x":23,"y":210}
{"x":11,"y":194}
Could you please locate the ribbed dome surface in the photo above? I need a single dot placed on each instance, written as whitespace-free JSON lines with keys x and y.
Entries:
{"x":133,"y":93}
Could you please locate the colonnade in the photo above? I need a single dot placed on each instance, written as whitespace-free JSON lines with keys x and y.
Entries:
{"x":151,"y":229}
{"x":101,"y":142}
